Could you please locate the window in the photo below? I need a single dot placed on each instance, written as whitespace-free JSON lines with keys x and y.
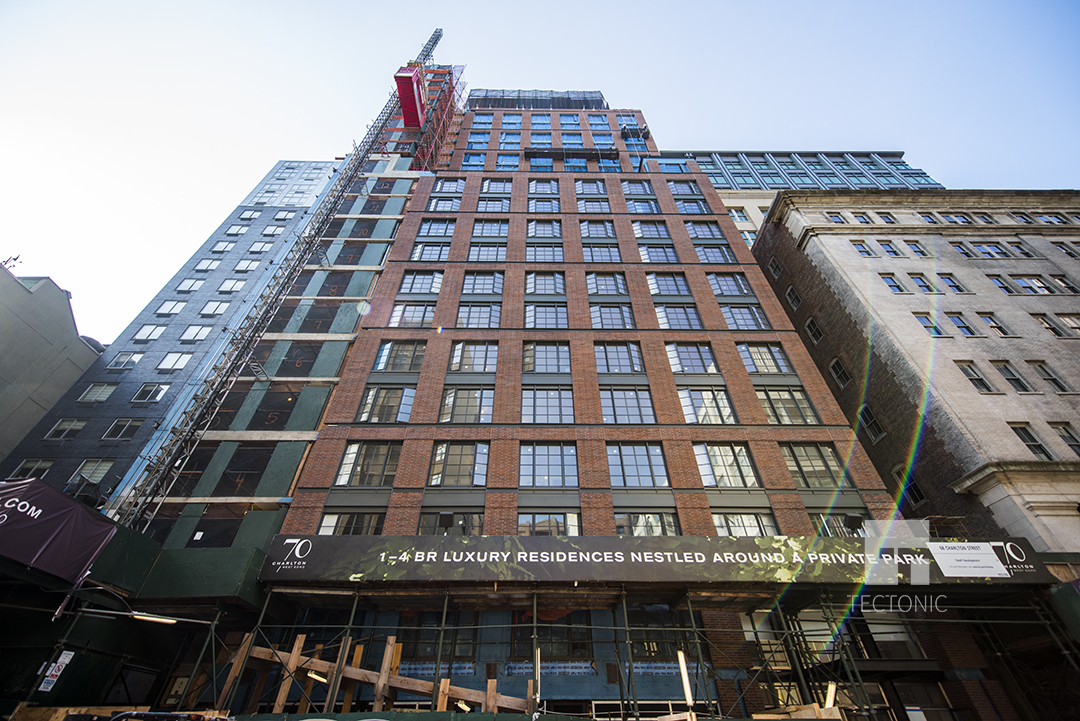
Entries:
{"x":839,"y":373}
{"x":921,"y":283}
{"x":482,"y":120}
{"x":650,"y":229}
{"x":546,"y":315}
{"x":1021,"y":250}
{"x":679,"y":317}
{"x":813,"y":465}
{"x":869,"y":423}
{"x":990,"y":250}
{"x":763,"y":358}
{"x":956,"y":218}
{"x":691,"y":358}
{"x":272,"y":230}
{"x":149,"y":332}
{"x":657,"y":254}
{"x":369,"y":464}
{"x":862,"y":249}
{"x":647,"y":524}
{"x":122,"y":429}
{"x":189,"y":284}
{"x":481,"y":284}
{"x":231,"y":286}
{"x":643,"y":206}
{"x":887,"y":218}
{"x":430,"y":252}
{"x":540,"y":120}
{"x":893,"y":283}
{"x":730,"y":284}
{"x":995,"y":324}
{"x":636,"y":464}
{"x":459,"y":464}
{"x":971,"y":372}
{"x":542,"y":165}
{"x":683,"y":187}
{"x":251,"y":215}
{"x":814,"y":331}
{"x":543,"y":205}
{"x":97,"y":392}
{"x":543,"y":253}
{"x":692,"y":207}
{"x":493,"y":185}
{"x":952,"y":283}
{"x":150,"y":393}
{"x":668,"y":284}
{"x":706,"y":405}
{"x":1066,"y":433}
{"x":544,"y":186}
{"x":548,"y":465}
{"x":506,"y":162}
{"x":863,"y":219}
{"x":1024,"y":433}
{"x":509,"y":141}
{"x":1065,"y":285}
{"x":223,"y":247}
{"x":66,"y":428}
{"x":33,"y":468}
{"x":174,"y":361}
{"x":962,"y":250}
{"x":462,"y":404}
{"x":745,"y":524}
{"x":511,"y":120}
{"x":1049,"y":325}
{"x":421,"y":282}
{"x":929,"y":218}
{"x":491,"y":228}
{"x":786,"y":406}
{"x":793,"y":297}
{"x":412,"y":315}
{"x":618,"y":358}
{"x":629,"y":121}
{"x":400,"y":355}
{"x":748,"y":236}
{"x":745,"y":317}
{"x":451,"y":524}
{"x":835,"y":218}
{"x":444,"y":205}
{"x":351,"y":524}
{"x":614,"y":317}
{"x":715,"y":253}
{"x":1033,"y":284}
{"x":195,"y":333}
{"x":92,"y":469}
{"x":472,"y":161}
{"x":452,"y":185}
{"x":572,"y":140}
{"x":214,"y":307}
{"x":637,"y":187}
{"x":1071,"y":321}
{"x":207,"y":265}
{"x":474,"y":357}
{"x":601,"y":253}
{"x":1067,"y":250}
{"x":1014,"y":379}
{"x":548,"y":524}
{"x":890,"y":249}
{"x":170,"y":307}
{"x":245,"y":266}
{"x":487,"y":252}
{"x":547,"y":405}
{"x":1044,"y":372}
{"x":700,"y":229}
{"x":593,"y":205}
{"x":775,"y":268}
{"x":961,"y":323}
{"x":597,"y":229}
{"x":929,"y":324}
{"x":444,"y":228}
{"x":125,"y":360}
{"x":917,"y":250}
{"x":545,"y":283}
{"x":626,"y":405}
{"x":479,"y":315}
{"x":546,"y":357}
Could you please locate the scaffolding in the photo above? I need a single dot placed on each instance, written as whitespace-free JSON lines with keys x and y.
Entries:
{"x":148,"y":482}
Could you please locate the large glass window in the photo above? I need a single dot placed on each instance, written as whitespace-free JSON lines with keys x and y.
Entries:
{"x":479,"y":315}
{"x":745,"y":317}
{"x":706,"y":405}
{"x":647,"y":524}
{"x":636,"y":464}
{"x":813,"y":465}
{"x":451,"y":524}
{"x":614,"y":316}
{"x":463,"y":404}
{"x":691,"y":358}
{"x":548,"y":464}
{"x":546,"y":404}
{"x":546,"y":315}
{"x":626,"y":405}
{"x":745,"y":524}
{"x":548,"y":524}
{"x":351,"y":524}
{"x":546,"y":357}
{"x":400,"y":355}
{"x":369,"y":464}
{"x":618,"y":358}
{"x":679,"y":317}
{"x":786,"y":405}
{"x":764,"y":358}
{"x":386,"y":404}
{"x":459,"y":464}
{"x":474,"y":357}
{"x":725,"y":464}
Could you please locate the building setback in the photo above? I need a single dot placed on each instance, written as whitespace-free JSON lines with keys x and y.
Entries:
{"x":537,"y":435}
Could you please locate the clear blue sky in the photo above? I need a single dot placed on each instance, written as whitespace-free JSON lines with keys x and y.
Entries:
{"x":129,"y":130}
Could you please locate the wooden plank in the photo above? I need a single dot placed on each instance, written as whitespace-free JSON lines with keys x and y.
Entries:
{"x":287,"y":674}
{"x":309,"y":683}
{"x":384,"y":674}
{"x":237,"y":661}
{"x":444,"y":694}
{"x":529,"y":697}
{"x":489,"y":698}
{"x":350,"y":685}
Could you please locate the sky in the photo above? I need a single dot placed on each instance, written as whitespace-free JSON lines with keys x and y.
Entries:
{"x":129,"y":130}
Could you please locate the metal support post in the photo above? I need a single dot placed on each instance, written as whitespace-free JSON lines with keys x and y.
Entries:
{"x":198,"y":662}
{"x":438,"y":651}
{"x":536,"y":657}
{"x":247,"y":653}
{"x":630,"y":656}
{"x":795,"y":658}
{"x":700,"y":657}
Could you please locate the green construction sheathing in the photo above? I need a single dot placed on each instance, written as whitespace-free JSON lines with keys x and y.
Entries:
{"x":1065,"y":598}
{"x":385,"y":228}
{"x":258,"y":528}
{"x":360,"y":284}
{"x":328,"y":362}
{"x":205,"y":573}
{"x":308,"y":409}
{"x":126,"y":561}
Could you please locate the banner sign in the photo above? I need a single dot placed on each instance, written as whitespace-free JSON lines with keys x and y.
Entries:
{"x":44,"y":529}
{"x":678,"y":559}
